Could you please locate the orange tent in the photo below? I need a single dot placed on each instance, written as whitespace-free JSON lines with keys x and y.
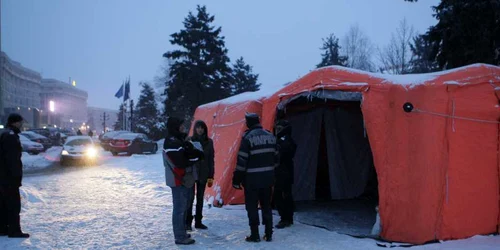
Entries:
{"x":437,"y":163}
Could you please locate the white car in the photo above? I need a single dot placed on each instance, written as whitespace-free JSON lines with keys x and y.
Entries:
{"x":79,"y":149}
{"x":33,"y":148}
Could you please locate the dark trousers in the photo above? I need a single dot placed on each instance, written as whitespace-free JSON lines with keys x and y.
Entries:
{"x":284,"y":201}
{"x":10,"y":208}
{"x":199,"y":188}
{"x":252,"y":199}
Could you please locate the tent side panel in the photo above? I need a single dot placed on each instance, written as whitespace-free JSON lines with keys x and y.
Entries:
{"x":227,"y":129}
{"x":472,"y":189}
{"x":409,"y":154}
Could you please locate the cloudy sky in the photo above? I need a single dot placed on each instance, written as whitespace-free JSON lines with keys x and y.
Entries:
{"x":101,"y":42}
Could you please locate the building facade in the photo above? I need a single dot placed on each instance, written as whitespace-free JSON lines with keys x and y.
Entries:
{"x":63,"y":105}
{"x":19,"y":91}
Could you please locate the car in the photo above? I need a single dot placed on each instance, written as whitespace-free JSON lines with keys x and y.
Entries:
{"x":79,"y":149}
{"x":132,"y":143}
{"x":33,"y":148}
{"x":46,"y":142}
{"x":42,"y":131}
{"x":50,"y":133}
{"x":106,"y":138}
{"x":67,"y":132}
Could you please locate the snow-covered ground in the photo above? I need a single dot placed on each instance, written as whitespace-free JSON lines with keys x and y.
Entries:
{"x":42,"y":161}
{"x":124,"y":204}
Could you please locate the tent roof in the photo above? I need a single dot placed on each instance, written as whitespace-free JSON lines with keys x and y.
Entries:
{"x":336,"y":75}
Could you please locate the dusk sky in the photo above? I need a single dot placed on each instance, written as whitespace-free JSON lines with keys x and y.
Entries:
{"x":99,"y":43}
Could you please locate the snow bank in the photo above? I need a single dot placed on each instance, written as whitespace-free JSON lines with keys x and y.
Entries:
{"x":33,"y":163}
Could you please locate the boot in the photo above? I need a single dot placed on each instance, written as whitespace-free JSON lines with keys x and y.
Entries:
{"x":254,"y":236}
{"x":186,"y":241}
{"x":19,"y":235}
{"x":283,"y":223}
{"x":4,"y":231}
{"x":269,"y":233}
{"x":198,"y":223}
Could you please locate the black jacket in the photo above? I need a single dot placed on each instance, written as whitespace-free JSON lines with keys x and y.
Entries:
{"x":257,"y":159}
{"x":11,"y":166}
{"x":178,"y":158}
{"x":205,"y":168}
{"x":286,"y":147}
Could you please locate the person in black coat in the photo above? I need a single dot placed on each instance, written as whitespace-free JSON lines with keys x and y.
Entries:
{"x":284,"y":173}
{"x":257,"y":158}
{"x":205,"y":175}
{"x":179,"y":157}
{"x":11,"y":176}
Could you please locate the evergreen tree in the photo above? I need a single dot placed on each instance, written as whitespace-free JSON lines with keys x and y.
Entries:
{"x":146,"y":113}
{"x":243,"y":78}
{"x":199,"y":72}
{"x":331,"y":53}
{"x":467,"y":32}
{"x":422,"y":62}
{"x":119,"y":122}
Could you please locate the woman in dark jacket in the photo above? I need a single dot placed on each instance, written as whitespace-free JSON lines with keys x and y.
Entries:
{"x":205,"y":175}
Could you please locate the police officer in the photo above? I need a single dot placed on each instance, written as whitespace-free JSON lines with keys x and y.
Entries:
{"x":11,"y":175}
{"x":257,"y":158}
{"x":284,"y":173}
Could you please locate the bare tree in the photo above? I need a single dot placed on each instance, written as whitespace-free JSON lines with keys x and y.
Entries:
{"x":358,"y":48}
{"x":396,"y":56}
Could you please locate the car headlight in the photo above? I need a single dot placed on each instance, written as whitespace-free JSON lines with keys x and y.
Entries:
{"x":64,"y":152}
{"x":91,"y":152}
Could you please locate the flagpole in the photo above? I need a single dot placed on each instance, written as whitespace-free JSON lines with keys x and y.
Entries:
{"x":124,"y":125}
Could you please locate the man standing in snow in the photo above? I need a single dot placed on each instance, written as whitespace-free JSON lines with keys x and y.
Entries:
{"x":11,"y":176}
{"x":257,"y":158}
{"x":205,"y":175}
{"x":284,"y":173}
{"x":178,"y":158}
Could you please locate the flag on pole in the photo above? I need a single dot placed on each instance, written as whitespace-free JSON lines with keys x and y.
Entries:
{"x":127,"y":91}
{"x":119,"y":94}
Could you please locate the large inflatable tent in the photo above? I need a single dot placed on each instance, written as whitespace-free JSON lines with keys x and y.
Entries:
{"x":430,"y":140}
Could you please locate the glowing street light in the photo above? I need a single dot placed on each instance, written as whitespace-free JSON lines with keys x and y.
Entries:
{"x":74,"y":83}
{"x":71,"y":120}
{"x":52,"y":106}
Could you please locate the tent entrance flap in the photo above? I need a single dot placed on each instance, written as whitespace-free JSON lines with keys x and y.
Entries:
{"x":333,"y":151}
{"x":335,"y":183}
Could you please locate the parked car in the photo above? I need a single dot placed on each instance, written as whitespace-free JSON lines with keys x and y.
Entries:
{"x":132,"y":143}
{"x":79,"y":149}
{"x":33,"y":148}
{"x":51,"y":133}
{"x":68,"y":132}
{"x":106,"y":138}
{"x":42,"y":131}
{"x":34,"y":137}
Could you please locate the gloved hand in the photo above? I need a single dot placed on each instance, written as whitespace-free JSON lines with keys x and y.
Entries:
{"x":237,"y":186}
{"x":210,"y":182}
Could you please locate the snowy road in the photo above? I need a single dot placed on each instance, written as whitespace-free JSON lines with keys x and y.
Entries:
{"x":124,"y":204}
